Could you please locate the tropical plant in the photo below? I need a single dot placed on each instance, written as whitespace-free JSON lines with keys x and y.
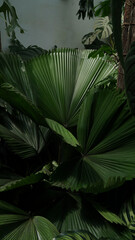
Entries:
{"x":10,"y":18}
{"x":67,"y":142}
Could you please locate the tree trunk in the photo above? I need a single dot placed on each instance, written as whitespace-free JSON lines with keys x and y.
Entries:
{"x":128,"y":36}
{"x":0,"y":43}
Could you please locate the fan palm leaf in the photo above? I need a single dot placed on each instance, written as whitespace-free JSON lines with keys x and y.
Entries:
{"x":106,"y":133}
{"x":71,"y":213}
{"x":80,"y":235}
{"x":20,"y":102}
{"x":56,"y":82}
{"x":23,"y":136}
{"x":16,"y":224}
{"x":127,"y":213}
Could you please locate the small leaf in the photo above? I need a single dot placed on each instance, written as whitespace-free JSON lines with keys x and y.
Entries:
{"x":13,"y":184}
{"x":63,"y":132}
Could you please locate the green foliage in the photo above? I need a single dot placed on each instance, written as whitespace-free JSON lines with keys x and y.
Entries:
{"x":127,"y":213}
{"x":101,"y":51}
{"x":86,"y":6}
{"x":100,"y":132}
{"x":75,"y":236}
{"x":11,"y":18}
{"x":16,"y":224}
{"x":103,"y":9}
{"x":66,"y":137}
{"x":25,"y":52}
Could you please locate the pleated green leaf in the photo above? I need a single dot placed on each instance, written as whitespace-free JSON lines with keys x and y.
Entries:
{"x":71,"y":213}
{"x":106,"y":133}
{"x":80,"y":235}
{"x":56,"y":82}
{"x":23,"y":136}
{"x":17,"y":100}
{"x":116,"y":7}
{"x":109,"y":216}
{"x":12,"y":71}
{"x":127,"y":214}
{"x":62,"y":79}
{"x":14,"y":225}
{"x":6,"y":208}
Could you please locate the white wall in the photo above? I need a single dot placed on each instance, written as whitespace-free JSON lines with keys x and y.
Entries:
{"x":48,"y":23}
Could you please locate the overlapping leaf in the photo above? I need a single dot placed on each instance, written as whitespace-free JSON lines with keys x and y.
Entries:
{"x":80,"y":235}
{"x":56,"y":82}
{"x":23,"y":136}
{"x":106,"y":133}
{"x":16,"y":224}
{"x":127,"y":213}
{"x":61,"y":80}
{"x":102,"y":27}
{"x":71,"y":213}
{"x":20,"y":102}
{"x":19,"y":182}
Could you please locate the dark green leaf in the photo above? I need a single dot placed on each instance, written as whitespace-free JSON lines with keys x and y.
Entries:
{"x":63,"y":132}
{"x":23,"y":136}
{"x":106,"y":133}
{"x":26,"y":53}
{"x":11,"y":18}
{"x":15,"y":224}
{"x":62,"y":79}
{"x":127,"y":213}
{"x":78,"y":235}
{"x":70,"y":212}
{"x":20,"y":102}
{"x":16,"y":183}
{"x":86,"y":6}
{"x":103,"y":9}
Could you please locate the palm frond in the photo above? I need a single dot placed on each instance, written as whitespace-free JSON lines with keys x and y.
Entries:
{"x":127,"y":214}
{"x":106,"y":133}
{"x":23,"y":136}
{"x":71,"y":213}
{"x":62,"y":79}
{"x":17,"y":100}
{"x":16,"y":224}
{"x":78,"y":235}
{"x":14,"y":138}
{"x":56,"y":82}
